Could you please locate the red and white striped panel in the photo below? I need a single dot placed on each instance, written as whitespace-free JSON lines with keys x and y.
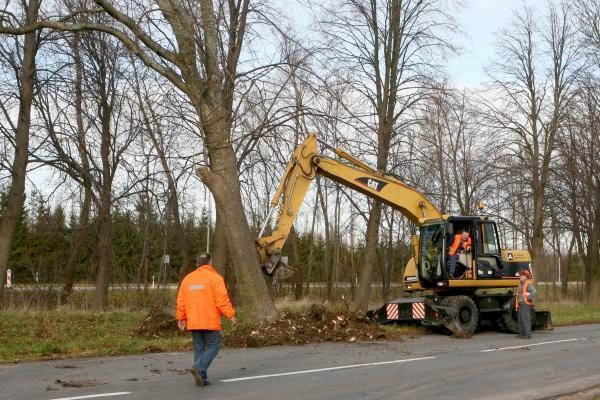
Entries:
{"x":418,"y":310}
{"x":392,"y":311}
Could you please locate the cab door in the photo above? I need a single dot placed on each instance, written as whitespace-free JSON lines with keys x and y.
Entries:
{"x":489,"y":263}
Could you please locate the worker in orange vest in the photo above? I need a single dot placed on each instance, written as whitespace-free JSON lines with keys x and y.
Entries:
{"x":524,"y":298}
{"x":201,"y":301}
{"x":462,"y":242}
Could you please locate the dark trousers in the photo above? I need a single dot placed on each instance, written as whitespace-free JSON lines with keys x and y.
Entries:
{"x":453,"y":260}
{"x":206,"y":347}
{"x":525,"y":319}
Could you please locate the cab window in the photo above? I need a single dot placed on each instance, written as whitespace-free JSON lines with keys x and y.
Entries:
{"x":490,"y":239}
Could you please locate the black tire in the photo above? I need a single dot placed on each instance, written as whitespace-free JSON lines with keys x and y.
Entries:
{"x":509,"y":321}
{"x":464,"y":323}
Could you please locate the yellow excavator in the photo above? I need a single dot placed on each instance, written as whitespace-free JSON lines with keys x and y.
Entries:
{"x":485,"y":275}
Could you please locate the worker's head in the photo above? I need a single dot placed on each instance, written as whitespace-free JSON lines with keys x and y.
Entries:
{"x":203,"y":259}
{"x":525,"y":274}
{"x":465,"y":235}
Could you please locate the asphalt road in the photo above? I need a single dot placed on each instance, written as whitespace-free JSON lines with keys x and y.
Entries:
{"x":488,"y":366}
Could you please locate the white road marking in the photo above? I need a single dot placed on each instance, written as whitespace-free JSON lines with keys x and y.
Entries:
{"x":91,"y":396}
{"x":310,"y":371}
{"x":531,"y":345}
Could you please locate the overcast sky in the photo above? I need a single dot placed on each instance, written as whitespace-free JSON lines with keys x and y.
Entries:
{"x":480,"y":20}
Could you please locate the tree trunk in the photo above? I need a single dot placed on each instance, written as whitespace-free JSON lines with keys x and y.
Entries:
{"x":311,"y":244}
{"x":78,"y":240}
{"x":390,"y":257}
{"x":327,"y":256}
{"x":565,"y":270}
{"x":296,"y":263}
{"x":537,"y":239}
{"x":142,"y":272}
{"x":16,"y":193}
{"x":223,"y":181}
{"x":219,"y":248}
{"x":592,"y":266}
{"x":103,"y":251}
{"x":103,"y":247}
{"x":369,"y":258}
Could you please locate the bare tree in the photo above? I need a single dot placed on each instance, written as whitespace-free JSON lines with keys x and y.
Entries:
{"x":588,"y":14}
{"x":532,"y":81}
{"x":465,"y":156}
{"x":84,"y":213}
{"x":20,"y":57}
{"x":93,"y":154}
{"x":580,"y":171}
{"x":386,"y":47}
{"x":197,"y":47}
{"x":155,"y":131}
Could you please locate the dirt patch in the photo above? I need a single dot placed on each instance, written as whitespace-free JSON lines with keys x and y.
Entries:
{"x":78,"y":384}
{"x":316,"y":325}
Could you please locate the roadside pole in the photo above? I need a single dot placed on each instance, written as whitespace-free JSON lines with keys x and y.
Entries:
{"x":166,"y":261}
{"x":8,"y":278}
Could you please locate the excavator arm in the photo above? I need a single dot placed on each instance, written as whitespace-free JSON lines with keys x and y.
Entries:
{"x":306,"y":163}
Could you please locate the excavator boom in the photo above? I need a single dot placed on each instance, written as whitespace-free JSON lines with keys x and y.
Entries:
{"x":305,"y":164}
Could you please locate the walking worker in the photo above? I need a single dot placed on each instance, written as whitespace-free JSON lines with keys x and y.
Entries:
{"x":201,"y":301}
{"x":524,"y":299}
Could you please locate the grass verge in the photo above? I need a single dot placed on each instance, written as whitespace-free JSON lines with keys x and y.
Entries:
{"x":62,"y":334}
{"x":43,"y":335}
{"x":567,"y":313}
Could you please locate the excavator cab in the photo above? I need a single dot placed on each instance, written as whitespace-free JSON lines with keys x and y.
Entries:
{"x":482,"y":260}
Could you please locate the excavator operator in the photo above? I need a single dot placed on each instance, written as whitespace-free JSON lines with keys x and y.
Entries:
{"x":462,"y":242}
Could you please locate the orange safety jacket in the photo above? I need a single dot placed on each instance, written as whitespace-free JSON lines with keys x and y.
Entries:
{"x":525,"y":295}
{"x":454,"y":246}
{"x":203,"y":299}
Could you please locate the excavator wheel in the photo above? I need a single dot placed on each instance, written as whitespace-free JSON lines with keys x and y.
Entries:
{"x":464,"y":323}
{"x":508,"y":321}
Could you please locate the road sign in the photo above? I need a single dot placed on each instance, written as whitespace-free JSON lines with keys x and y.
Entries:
{"x":8,"y":278}
{"x":166,"y":260}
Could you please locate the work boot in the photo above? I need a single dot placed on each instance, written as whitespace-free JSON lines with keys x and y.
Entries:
{"x":197,"y":377}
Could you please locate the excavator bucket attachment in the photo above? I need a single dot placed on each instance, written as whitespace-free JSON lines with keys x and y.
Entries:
{"x":278,"y":268}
